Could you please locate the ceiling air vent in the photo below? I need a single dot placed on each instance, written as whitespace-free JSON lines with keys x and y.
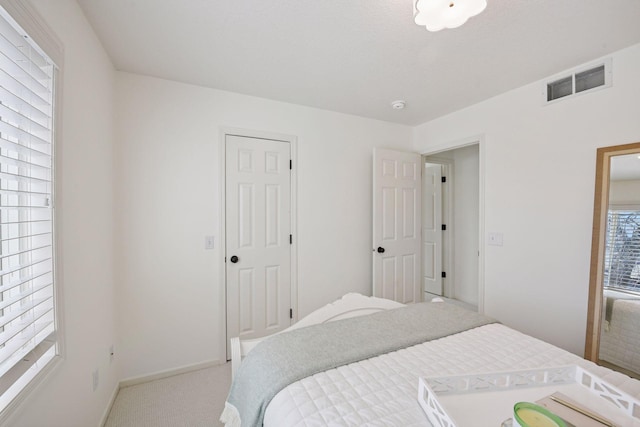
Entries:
{"x":593,"y":76}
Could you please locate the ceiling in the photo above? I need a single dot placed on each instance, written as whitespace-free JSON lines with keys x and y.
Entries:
{"x":357,"y":56}
{"x":625,"y":167}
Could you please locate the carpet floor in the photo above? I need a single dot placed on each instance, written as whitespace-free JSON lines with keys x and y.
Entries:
{"x":193,"y":399}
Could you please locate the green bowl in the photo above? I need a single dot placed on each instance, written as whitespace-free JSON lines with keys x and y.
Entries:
{"x":545,"y":417}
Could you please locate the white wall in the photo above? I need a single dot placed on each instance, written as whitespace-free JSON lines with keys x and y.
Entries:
{"x":85,"y":208}
{"x":540,"y":173}
{"x":624,"y":192}
{"x":167,"y":167}
{"x":465,"y":227}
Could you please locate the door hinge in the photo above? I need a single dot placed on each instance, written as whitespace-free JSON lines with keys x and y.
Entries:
{"x":291,"y":239}
{"x":444,"y":227}
{"x":443,"y":179}
{"x":225,"y":259}
{"x":290,"y":164}
{"x":444,"y":274}
{"x":291,"y":313}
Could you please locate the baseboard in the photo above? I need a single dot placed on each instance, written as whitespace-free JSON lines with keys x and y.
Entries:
{"x":103,"y":420}
{"x":169,"y":373}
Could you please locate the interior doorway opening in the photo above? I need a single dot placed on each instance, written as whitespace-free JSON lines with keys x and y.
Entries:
{"x":459,"y":250}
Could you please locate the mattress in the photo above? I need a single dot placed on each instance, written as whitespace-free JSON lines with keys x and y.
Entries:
{"x":382,"y":391}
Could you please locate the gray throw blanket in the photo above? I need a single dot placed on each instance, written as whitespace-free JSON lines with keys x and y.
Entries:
{"x":288,"y":357}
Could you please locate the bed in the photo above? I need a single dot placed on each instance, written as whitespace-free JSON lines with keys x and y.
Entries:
{"x":620,"y":337}
{"x":381,"y":390}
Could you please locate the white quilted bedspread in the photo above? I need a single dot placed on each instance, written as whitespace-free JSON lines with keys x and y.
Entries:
{"x":620,"y":344}
{"x":382,"y":391}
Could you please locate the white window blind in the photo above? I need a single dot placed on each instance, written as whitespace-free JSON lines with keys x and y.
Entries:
{"x":622,"y":252}
{"x":27,"y":306}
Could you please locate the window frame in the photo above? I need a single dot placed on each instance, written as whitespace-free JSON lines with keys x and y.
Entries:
{"x":27,"y":17}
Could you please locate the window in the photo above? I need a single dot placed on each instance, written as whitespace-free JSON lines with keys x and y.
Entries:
{"x":622,"y":252}
{"x":28,"y":326}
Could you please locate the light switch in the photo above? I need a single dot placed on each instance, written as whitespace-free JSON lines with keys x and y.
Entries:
{"x":495,"y":239}
{"x":209,"y":242}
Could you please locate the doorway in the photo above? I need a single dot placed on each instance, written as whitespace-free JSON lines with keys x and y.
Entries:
{"x":458,"y":247}
{"x":413,"y":254}
{"x":259,"y":252}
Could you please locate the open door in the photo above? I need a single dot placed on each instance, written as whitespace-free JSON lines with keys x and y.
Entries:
{"x":397,"y":202}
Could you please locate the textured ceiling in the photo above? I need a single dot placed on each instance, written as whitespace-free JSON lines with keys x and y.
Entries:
{"x":625,"y":167}
{"x":356,"y":56}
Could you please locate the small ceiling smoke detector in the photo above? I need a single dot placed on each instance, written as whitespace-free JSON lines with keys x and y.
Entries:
{"x":398,"y":105}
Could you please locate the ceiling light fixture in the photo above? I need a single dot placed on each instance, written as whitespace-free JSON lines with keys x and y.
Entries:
{"x":439,"y":14}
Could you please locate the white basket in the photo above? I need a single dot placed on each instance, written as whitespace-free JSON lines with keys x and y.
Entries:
{"x":430,"y":388}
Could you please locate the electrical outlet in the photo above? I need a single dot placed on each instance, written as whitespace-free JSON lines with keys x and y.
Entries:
{"x":96,"y":379}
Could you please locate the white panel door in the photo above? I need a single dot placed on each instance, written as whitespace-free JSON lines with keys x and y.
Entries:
{"x":432,"y":228}
{"x":258,"y":227}
{"x":396,"y":225}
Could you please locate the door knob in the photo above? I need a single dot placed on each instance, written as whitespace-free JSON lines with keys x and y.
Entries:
{"x":380,"y":250}
{"x":234,"y":259}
